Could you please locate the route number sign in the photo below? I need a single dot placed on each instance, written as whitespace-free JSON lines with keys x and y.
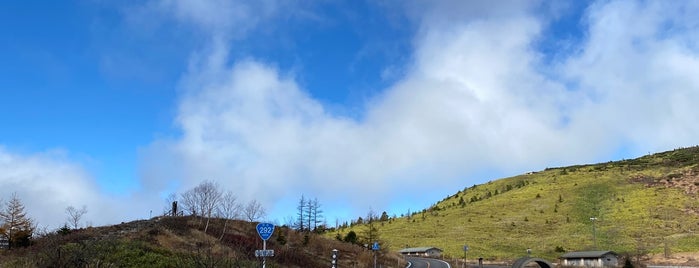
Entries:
{"x":265,"y":230}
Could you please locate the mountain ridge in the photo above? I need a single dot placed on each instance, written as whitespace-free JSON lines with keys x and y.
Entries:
{"x":639,"y":207}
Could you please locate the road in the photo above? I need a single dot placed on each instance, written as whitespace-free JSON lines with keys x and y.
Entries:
{"x":426,"y":263}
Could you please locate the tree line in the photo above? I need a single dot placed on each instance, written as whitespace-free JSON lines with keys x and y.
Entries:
{"x":208,"y":200}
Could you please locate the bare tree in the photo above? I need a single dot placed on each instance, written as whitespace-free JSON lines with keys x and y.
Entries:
{"x":228,"y":209}
{"x":74,"y":215}
{"x":254,"y":211}
{"x":317,"y":214}
{"x":301,"y":210}
{"x":210,"y":196}
{"x":17,"y":227}
{"x":309,"y":214}
{"x":202,"y":200}
{"x":189,"y":202}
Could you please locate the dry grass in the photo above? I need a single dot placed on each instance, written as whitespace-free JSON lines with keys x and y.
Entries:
{"x":180,"y":242}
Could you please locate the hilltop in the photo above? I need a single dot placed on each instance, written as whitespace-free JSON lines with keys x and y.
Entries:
{"x":637,"y":207}
{"x":180,"y":242}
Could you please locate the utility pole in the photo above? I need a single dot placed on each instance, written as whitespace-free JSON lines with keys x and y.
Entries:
{"x":594,"y":232}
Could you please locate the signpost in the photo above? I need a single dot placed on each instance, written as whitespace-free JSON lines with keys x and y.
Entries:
{"x":375,"y":248}
{"x":265,"y":230}
{"x":465,"y":250}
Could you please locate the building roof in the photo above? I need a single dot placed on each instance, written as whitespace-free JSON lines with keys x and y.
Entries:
{"x":586,"y":254}
{"x":414,"y":250}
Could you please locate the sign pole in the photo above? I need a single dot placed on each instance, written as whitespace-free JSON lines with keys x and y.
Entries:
{"x":465,"y":250}
{"x":265,"y":231}
{"x":375,"y":248}
{"x":374,"y":259}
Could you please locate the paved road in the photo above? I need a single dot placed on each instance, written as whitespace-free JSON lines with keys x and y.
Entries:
{"x":426,"y":263}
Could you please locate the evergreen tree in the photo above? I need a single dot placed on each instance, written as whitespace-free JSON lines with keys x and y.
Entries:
{"x":16,"y":226}
{"x":351,"y":237}
{"x":384,"y":216}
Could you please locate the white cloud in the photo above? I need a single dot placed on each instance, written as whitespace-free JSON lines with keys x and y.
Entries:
{"x":636,"y":69}
{"x":48,"y":182}
{"x":477,"y":98}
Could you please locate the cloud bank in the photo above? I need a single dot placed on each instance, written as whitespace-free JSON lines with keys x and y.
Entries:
{"x":478,"y":97}
{"x":48,"y":182}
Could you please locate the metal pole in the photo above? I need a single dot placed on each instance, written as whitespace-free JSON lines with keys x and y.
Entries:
{"x":594,"y":232}
{"x":374,"y":258}
{"x":264,"y":254}
{"x":463,"y":265}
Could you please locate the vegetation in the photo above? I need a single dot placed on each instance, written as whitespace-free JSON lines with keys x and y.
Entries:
{"x":16,"y":226}
{"x":181,"y":242}
{"x":634,"y":207}
{"x":642,"y":206}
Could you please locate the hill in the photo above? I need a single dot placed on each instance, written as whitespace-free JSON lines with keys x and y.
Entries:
{"x":635,"y":207}
{"x":180,"y":242}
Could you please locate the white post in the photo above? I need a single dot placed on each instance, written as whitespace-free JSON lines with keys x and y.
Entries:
{"x":374,"y":258}
{"x":264,"y":251}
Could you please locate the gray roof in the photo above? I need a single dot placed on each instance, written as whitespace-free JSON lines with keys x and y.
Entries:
{"x":587,"y":254}
{"x":420,"y":249}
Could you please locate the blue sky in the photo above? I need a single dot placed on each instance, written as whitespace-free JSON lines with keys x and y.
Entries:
{"x":115,"y":104}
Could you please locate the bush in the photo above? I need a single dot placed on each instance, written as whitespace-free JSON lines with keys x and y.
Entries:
{"x":351,"y":237}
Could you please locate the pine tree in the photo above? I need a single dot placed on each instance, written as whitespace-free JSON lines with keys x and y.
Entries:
{"x":16,"y":226}
{"x":384,"y":216}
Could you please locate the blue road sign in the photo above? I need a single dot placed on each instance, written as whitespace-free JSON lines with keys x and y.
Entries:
{"x":265,"y":230}
{"x":375,"y":246}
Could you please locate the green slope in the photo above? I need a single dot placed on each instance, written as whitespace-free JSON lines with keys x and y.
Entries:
{"x":644,"y":205}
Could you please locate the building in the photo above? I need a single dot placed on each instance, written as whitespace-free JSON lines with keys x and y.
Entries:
{"x":423,"y":252}
{"x":590,"y":259}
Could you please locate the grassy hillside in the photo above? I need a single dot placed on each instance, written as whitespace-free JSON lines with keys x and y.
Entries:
{"x":180,"y":242}
{"x":644,"y":205}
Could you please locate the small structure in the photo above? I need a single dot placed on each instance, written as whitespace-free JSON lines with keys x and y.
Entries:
{"x":590,"y":259}
{"x":174,"y":208}
{"x":4,"y":242}
{"x":432,"y":252}
{"x":525,"y":262}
